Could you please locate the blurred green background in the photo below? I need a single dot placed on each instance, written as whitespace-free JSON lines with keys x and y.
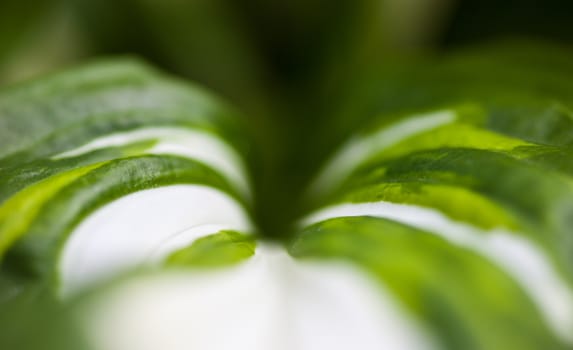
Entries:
{"x":300,"y":70}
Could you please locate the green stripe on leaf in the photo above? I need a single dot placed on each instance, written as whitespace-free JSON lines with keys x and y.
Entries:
{"x":220,"y":249}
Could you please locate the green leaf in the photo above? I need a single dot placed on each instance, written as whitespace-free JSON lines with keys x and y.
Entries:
{"x":74,"y":142}
{"x":216,"y":250}
{"x":461,"y":296}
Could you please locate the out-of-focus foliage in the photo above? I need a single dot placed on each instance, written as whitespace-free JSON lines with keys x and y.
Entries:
{"x":295,"y":67}
{"x":39,"y":323}
{"x":36,"y":37}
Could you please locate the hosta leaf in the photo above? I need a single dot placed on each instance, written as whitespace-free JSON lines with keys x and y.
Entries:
{"x":75,"y":143}
{"x":520,"y":97}
{"x":484,"y":309}
{"x":57,"y":114}
{"x":110,"y":181}
{"x":546,"y":204}
{"x":444,"y":224}
{"x":473,"y":151}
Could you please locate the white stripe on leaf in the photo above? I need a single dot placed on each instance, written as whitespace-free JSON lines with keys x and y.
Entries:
{"x":130,"y":231}
{"x":195,"y":144}
{"x":270,"y":301}
{"x":359,"y":149}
